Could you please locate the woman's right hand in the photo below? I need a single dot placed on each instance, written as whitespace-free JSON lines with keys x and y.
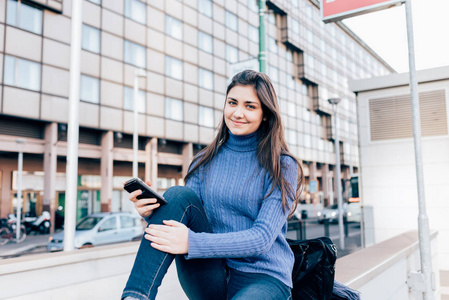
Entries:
{"x":144,"y":206}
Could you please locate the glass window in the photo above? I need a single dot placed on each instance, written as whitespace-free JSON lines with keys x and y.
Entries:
{"x":173,"y":109}
{"x":91,"y":39}
{"x":109,"y":224}
{"x":135,"y":54}
{"x":310,"y":36}
{"x":205,"y":79}
{"x":90,"y":89}
{"x":24,"y":16}
{"x":291,"y":109}
{"x":205,"y":42}
{"x":173,"y":67}
{"x":136,"y":10}
{"x":173,"y":27}
{"x":306,"y":115}
{"x":253,"y":33}
{"x":272,"y":45}
{"x":126,"y":222}
{"x":95,"y":1}
{"x":206,"y":116}
{"x":290,"y":82}
{"x":128,"y":99}
{"x":273,"y":73}
{"x":292,"y":137}
{"x":307,"y":141}
{"x":231,"y":21}
{"x":295,"y":26}
{"x":271,"y":18}
{"x":205,"y":7}
{"x":309,"y":12}
{"x":22,"y":73}
{"x":289,"y":56}
{"x":253,"y":5}
{"x":295,"y":3}
{"x":232,"y":54}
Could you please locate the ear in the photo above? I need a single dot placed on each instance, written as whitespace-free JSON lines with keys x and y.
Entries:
{"x":264,"y":119}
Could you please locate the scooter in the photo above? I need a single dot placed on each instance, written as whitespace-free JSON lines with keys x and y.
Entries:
{"x":39,"y":224}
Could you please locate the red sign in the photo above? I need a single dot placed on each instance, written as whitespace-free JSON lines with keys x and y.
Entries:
{"x":335,"y":10}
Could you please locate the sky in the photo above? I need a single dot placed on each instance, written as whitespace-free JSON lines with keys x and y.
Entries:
{"x":386,"y":33}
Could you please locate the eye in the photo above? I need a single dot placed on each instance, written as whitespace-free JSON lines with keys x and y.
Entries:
{"x":232,"y":102}
{"x":251,"y":106}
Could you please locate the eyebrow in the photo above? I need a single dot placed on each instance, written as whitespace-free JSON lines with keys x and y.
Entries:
{"x":247,"y":101}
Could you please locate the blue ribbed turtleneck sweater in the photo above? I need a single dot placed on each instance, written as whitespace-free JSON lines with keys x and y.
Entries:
{"x":248,"y":231}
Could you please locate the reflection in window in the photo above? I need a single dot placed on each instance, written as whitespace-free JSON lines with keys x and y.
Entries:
{"x":272,"y":45}
{"x":128,"y":99}
{"x":22,"y":73}
{"x":174,"y":109}
{"x":205,"y":79}
{"x":136,"y":10}
{"x":24,"y":16}
{"x":135,"y":54}
{"x":292,"y":137}
{"x":206,"y":116}
{"x":232,"y":54}
{"x":231,"y":21}
{"x":295,"y":26}
{"x":90,"y":89}
{"x":205,"y":42}
{"x":205,"y":7}
{"x":173,"y":67}
{"x":173,"y":27}
{"x":273,"y":73}
{"x":91,"y":39}
{"x":253,"y":33}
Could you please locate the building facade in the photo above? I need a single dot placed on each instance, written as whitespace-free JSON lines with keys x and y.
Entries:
{"x":387,"y":166}
{"x":187,"y":49}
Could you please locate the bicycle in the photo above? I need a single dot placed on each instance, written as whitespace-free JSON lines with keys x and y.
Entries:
{"x":8,"y":232}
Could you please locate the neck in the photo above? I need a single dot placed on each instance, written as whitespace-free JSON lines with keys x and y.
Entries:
{"x":242,"y":143}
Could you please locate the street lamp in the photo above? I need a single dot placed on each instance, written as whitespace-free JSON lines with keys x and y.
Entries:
{"x":20,"y":145}
{"x":334,"y":102}
{"x":138,"y":73}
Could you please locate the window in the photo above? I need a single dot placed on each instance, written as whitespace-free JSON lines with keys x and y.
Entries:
{"x":205,"y":79}
{"x":24,"y":16}
{"x":128,"y":99}
{"x":206,"y":116}
{"x":253,"y":33}
{"x":289,"y":56}
{"x":205,"y":42}
{"x":135,"y":54}
{"x":231,"y":21}
{"x":295,"y":26}
{"x":173,"y":27}
{"x":271,"y":18}
{"x":22,"y":73}
{"x":273,"y":73}
{"x":290,"y":82}
{"x":272,"y":45}
{"x":91,"y":39}
{"x":291,"y":109}
{"x":307,"y":141}
{"x":232,"y":54}
{"x":95,"y":1}
{"x":253,"y":5}
{"x":292,"y":137}
{"x":109,"y":224}
{"x":205,"y":7}
{"x":295,"y":3}
{"x":90,"y":89}
{"x":126,"y":222}
{"x":136,"y":10}
{"x":310,"y":36}
{"x":173,"y":109}
{"x":173,"y":67}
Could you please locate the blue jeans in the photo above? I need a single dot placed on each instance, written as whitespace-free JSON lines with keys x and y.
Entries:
{"x":200,"y":278}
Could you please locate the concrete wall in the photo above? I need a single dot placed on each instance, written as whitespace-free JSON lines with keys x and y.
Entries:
{"x":388,"y":175}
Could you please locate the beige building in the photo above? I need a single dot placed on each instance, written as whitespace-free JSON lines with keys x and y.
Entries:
{"x":187,"y":49}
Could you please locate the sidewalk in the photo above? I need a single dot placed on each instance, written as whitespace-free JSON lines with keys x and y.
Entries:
{"x":31,"y":242}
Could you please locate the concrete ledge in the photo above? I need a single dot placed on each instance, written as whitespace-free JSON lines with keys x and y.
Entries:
{"x":361,"y":267}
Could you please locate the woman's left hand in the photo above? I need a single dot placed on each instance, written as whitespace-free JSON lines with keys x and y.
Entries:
{"x":173,"y":237}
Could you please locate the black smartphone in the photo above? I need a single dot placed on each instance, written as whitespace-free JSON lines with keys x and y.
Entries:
{"x":137,"y":184}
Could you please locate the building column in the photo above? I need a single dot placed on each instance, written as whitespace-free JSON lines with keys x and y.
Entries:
{"x":5,"y":204}
{"x":151,"y":161}
{"x":50,"y":165}
{"x":187,"y":156}
{"x":325,"y":182}
{"x":106,"y":170}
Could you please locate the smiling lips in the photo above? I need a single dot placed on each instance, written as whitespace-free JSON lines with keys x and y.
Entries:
{"x":238,"y":123}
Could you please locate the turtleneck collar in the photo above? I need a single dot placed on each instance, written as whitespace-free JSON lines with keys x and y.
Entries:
{"x":242,"y":143}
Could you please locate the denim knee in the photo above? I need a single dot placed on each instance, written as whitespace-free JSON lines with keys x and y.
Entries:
{"x":179,"y":193}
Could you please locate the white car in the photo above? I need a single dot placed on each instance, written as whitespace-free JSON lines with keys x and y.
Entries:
{"x":100,"y":229}
{"x":353,"y":212}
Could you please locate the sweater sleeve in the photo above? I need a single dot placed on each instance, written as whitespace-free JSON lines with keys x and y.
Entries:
{"x":256,"y":240}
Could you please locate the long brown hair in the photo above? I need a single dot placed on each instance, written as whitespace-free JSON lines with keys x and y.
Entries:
{"x":271,"y":141}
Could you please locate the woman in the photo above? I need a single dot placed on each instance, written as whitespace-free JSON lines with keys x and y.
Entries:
{"x":227,"y":227}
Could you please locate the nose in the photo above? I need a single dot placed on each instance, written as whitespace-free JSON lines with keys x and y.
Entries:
{"x":238,"y":112}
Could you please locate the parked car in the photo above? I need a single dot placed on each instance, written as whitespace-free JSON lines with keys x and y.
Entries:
{"x":331,"y":213}
{"x":100,"y":229}
{"x":353,"y":212}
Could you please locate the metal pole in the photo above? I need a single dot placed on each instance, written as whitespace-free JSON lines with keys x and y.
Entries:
{"x":423,"y":221}
{"x":262,"y":46}
{"x":19,"y":195}
{"x":136,"y":124}
{"x":338,"y":179}
{"x":73,"y":129}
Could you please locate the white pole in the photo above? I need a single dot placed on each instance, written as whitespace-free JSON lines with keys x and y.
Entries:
{"x":136,"y":125}
{"x":338,"y":179}
{"x":19,"y":195}
{"x":73,"y":128}
{"x":423,"y":221}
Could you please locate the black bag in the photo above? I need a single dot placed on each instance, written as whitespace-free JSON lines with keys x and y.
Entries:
{"x":314,"y":268}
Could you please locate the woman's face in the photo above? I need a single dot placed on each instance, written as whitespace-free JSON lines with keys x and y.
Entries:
{"x":243,"y":110}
